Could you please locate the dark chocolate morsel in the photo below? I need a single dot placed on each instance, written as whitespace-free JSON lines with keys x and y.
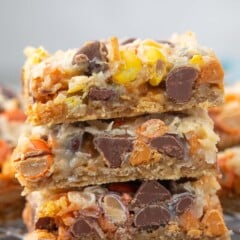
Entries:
{"x":46,"y":223}
{"x":179,"y":83}
{"x":170,"y":144}
{"x":113,"y":149}
{"x":83,"y":228}
{"x":182,"y":202}
{"x":153,"y":215}
{"x":93,"y":56}
{"x":101,"y":94}
{"x":151,"y":192}
{"x":127,"y":41}
{"x":93,"y":50}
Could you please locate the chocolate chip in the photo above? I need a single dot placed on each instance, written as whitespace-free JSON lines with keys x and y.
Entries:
{"x":151,"y":192}
{"x":153,"y":215}
{"x":46,"y":223}
{"x":179,"y":83}
{"x":79,"y":58}
{"x":169,"y":144}
{"x":166,"y":42}
{"x":113,"y":149}
{"x":74,"y":142}
{"x":92,"y":57}
{"x":101,"y":94}
{"x":83,"y":228}
{"x":127,"y":41}
{"x":182,"y":202}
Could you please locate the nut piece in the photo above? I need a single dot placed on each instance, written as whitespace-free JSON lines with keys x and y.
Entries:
{"x":114,"y":209}
{"x":35,"y":168}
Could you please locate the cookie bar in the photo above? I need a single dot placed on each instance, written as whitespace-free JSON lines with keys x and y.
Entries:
{"x":164,"y":210}
{"x":229,"y":163}
{"x":11,"y":123}
{"x":112,"y":79}
{"x":160,"y":146}
{"x":11,"y":201}
{"x":227,"y":117}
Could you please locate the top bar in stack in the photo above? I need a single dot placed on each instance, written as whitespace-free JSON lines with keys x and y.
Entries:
{"x":110,"y":79}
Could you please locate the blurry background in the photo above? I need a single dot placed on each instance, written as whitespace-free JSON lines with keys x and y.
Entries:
{"x":62,"y":24}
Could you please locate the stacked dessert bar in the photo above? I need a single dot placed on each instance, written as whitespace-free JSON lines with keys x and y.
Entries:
{"x":227,"y":125}
{"x":121,"y":145}
{"x":11,"y":123}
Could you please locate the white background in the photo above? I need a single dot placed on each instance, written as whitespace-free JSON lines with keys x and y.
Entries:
{"x":62,"y":24}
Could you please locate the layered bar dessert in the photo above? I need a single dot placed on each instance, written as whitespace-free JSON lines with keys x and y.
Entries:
{"x":112,"y":79}
{"x":227,"y":118}
{"x":183,"y":209}
{"x":11,"y":123}
{"x":11,"y":201}
{"x":158,"y":146}
{"x":229,"y":163}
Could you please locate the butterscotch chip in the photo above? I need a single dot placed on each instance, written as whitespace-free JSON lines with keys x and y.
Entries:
{"x":141,"y":153}
{"x":211,"y":73}
{"x":214,"y":223}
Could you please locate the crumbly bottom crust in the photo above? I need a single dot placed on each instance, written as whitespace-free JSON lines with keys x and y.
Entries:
{"x":87,"y":175}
